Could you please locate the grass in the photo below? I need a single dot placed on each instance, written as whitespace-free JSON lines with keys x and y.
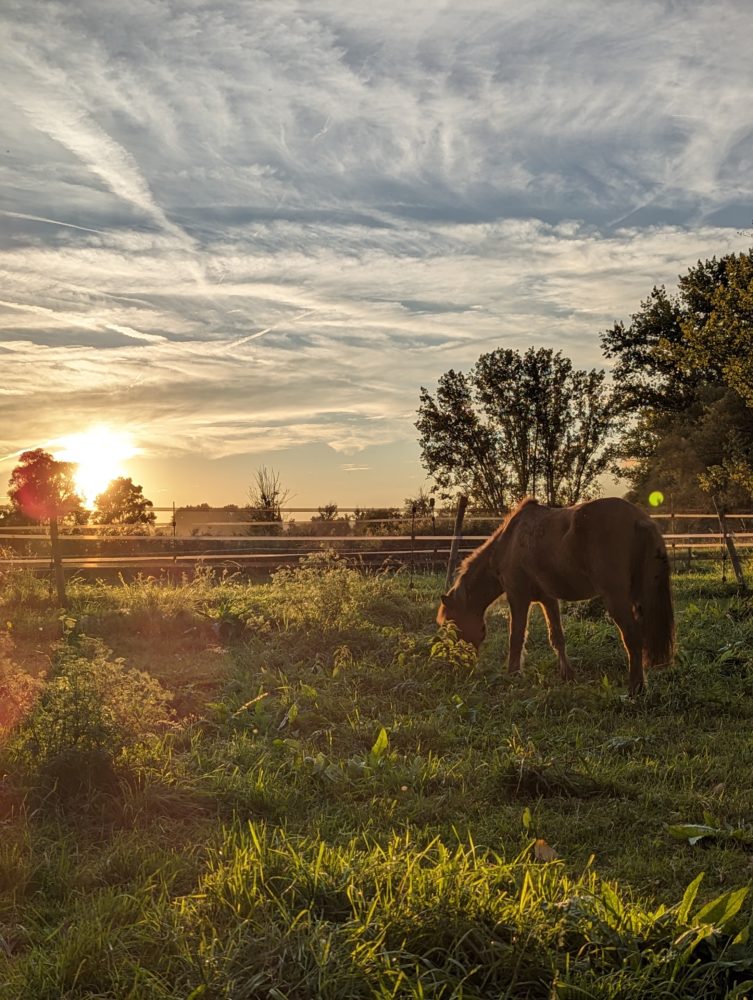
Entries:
{"x":299,"y":789}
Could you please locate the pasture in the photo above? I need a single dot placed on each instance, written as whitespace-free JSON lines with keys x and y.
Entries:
{"x":300,"y":789}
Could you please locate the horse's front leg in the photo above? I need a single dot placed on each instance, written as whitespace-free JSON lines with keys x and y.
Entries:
{"x":551,"y":608}
{"x":518,"y":621}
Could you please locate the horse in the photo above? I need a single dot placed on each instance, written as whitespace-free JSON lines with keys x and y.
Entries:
{"x":606,"y":548}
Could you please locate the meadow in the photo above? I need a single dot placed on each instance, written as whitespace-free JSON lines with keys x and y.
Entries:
{"x":300,"y":788}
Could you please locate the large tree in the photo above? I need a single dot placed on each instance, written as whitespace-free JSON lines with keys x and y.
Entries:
{"x":42,"y":489}
{"x":516,"y":425}
{"x":123,"y":502}
{"x":684,"y":371}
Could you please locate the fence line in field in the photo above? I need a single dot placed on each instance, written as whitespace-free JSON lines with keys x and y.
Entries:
{"x":186,"y":538}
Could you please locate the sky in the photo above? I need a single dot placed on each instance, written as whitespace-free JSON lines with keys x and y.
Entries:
{"x":246,"y":232}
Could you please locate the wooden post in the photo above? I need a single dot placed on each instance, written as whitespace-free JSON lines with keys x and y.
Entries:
{"x":412,"y":540}
{"x":734,"y":558}
{"x":457,"y":537}
{"x":673,"y":529}
{"x":57,"y":563}
{"x":434,"y":532}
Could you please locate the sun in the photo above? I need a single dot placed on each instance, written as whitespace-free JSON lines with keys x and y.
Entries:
{"x":99,"y":454}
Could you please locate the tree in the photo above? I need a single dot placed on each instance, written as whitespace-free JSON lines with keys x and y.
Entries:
{"x":719,"y":342}
{"x":266,"y":498}
{"x":684,"y":368}
{"x":419,"y":506}
{"x":376,"y":521}
{"x":328,"y":522}
{"x":43,"y":489}
{"x":123,"y":502}
{"x":517,"y":425}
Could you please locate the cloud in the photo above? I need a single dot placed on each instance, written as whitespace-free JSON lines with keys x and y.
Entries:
{"x":241,"y":227}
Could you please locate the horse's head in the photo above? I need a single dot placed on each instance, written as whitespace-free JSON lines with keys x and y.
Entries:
{"x":470,"y":624}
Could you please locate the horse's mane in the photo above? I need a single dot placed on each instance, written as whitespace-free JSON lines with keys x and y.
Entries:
{"x":476,"y":562}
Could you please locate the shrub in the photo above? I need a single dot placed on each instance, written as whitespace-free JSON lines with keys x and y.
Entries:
{"x":90,"y":709}
{"x":18,"y":690}
{"x":324,"y":591}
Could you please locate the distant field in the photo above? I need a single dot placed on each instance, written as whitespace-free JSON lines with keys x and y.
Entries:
{"x":299,"y":789}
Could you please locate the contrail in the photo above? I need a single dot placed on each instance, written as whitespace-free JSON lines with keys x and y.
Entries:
{"x":261,"y":333}
{"x":52,"y":222}
{"x":79,"y":321}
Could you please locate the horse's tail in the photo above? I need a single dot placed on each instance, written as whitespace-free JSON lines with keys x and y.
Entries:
{"x":652,"y":596}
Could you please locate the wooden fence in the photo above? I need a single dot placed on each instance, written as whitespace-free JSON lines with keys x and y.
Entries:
{"x":369,"y":537}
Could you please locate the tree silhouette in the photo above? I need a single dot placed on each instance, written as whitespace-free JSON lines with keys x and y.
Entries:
{"x":43,"y":489}
{"x":517,"y":424}
{"x":683,"y":370}
{"x":266,"y":497}
{"x":123,"y":502}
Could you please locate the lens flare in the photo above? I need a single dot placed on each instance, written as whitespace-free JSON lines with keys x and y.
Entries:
{"x":656,"y":499}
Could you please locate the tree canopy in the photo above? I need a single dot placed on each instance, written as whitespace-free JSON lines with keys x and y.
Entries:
{"x":684,"y":371}
{"x":517,"y":425}
{"x":123,"y":502}
{"x":42,"y":488}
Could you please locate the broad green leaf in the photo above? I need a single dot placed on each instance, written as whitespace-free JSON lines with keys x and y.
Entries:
{"x":382,"y":744}
{"x":720,"y":911}
{"x":693,"y":832}
{"x":683,"y":911}
{"x":611,"y":900}
{"x":741,"y":991}
{"x":742,"y":937}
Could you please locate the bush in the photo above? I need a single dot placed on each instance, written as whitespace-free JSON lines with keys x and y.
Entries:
{"x":90,"y":709}
{"x":324,"y":591}
{"x":18,"y":690}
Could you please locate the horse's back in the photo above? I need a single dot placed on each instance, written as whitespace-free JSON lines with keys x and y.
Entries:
{"x":580,"y":551}
{"x":609,"y":534}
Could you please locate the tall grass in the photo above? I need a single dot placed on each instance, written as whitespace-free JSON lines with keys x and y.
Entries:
{"x":351,"y":808}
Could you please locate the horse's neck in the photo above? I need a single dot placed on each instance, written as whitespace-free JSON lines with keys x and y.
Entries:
{"x":483,"y":585}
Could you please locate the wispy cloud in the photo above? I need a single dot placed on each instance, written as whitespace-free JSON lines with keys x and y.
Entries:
{"x":242,"y":227}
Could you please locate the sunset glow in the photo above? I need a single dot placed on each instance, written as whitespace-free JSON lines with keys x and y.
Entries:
{"x":100,"y":454}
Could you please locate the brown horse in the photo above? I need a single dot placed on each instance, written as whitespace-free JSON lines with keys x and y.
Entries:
{"x":607,"y":548}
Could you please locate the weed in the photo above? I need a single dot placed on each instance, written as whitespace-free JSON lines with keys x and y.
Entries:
{"x":89,"y":709}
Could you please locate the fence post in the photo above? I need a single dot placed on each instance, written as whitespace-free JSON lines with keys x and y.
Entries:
{"x":57,"y":563}
{"x":457,"y":536}
{"x":734,"y":558}
{"x":434,"y":532}
{"x":175,"y":530}
{"x":412,"y":540}
{"x":673,"y":529}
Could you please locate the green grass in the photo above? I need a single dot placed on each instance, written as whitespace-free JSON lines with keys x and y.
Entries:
{"x":298,"y":789}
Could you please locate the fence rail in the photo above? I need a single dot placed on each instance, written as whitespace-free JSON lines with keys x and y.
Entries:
{"x":187,"y":538}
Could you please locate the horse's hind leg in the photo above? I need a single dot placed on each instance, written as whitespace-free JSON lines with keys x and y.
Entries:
{"x":518,"y":621}
{"x":631,"y":631}
{"x":551,"y":608}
